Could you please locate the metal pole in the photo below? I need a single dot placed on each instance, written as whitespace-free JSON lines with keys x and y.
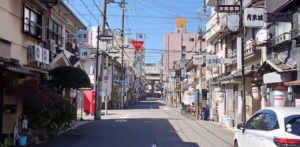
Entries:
{"x":96,"y":115}
{"x":242,"y":56}
{"x":106,"y":95}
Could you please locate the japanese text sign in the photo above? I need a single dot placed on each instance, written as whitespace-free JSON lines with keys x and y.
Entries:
{"x":82,"y":36}
{"x":137,"y":45}
{"x":212,"y":61}
{"x":198,"y":59}
{"x":254,"y":17}
{"x":84,"y":53}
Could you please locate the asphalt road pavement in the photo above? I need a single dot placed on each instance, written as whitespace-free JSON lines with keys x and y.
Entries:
{"x":150,"y":123}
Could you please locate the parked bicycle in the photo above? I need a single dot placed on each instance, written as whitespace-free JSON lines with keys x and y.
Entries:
{"x":185,"y":110}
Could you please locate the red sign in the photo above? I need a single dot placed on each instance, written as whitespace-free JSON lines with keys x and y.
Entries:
{"x":137,"y":45}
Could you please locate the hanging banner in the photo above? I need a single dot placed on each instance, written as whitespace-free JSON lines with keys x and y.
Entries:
{"x":233,"y":22}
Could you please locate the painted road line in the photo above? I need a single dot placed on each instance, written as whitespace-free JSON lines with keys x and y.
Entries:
{"x":153,"y":145}
{"x":148,"y":121}
{"x":121,"y":120}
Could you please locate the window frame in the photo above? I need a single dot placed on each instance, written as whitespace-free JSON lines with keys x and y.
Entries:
{"x":183,"y":48}
{"x":53,"y":32}
{"x":274,"y":118}
{"x":191,"y":39}
{"x":183,"y":56}
{"x":30,"y":24}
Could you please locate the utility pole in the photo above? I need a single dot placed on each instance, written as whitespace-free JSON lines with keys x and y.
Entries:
{"x":101,"y":66}
{"x":96,"y":115}
{"x":242,"y":56}
{"x":122,"y":49}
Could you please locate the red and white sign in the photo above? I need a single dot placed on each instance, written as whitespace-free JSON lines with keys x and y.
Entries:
{"x":137,"y":45}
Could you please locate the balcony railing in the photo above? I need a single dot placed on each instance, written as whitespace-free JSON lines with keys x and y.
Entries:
{"x":281,"y":39}
{"x":249,"y":51}
{"x":295,"y":33}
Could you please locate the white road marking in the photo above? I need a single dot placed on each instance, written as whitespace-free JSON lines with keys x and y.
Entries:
{"x":148,"y":121}
{"x":153,"y":145}
{"x":121,"y":120}
{"x":165,"y":108}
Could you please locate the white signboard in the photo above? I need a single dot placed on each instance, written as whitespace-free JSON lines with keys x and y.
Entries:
{"x":254,"y":17}
{"x":82,"y":36}
{"x":183,"y":73}
{"x":102,"y":46}
{"x":198,"y":59}
{"x":233,"y":22}
{"x":212,"y":61}
{"x":84,"y":53}
{"x":104,"y":94}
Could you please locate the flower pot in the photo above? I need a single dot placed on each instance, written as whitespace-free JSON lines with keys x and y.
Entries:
{"x":22,"y":140}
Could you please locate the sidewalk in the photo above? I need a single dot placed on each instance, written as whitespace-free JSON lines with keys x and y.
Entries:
{"x":178,"y":109}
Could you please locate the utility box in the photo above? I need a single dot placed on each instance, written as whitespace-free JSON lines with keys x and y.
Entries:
{"x":229,"y":122}
{"x":89,"y":102}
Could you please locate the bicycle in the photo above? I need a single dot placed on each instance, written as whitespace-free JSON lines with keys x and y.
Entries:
{"x":188,"y":110}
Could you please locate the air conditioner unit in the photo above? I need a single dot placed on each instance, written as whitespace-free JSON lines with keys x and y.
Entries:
{"x":46,"y":56}
{"x":34,"y":53}
{"x":51,"y":45}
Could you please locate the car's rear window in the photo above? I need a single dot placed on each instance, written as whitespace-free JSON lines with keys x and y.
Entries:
{"x":292,"y":124}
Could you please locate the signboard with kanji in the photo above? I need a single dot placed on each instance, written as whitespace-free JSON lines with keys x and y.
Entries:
{"x":82,"y":36}
{"x":102,"y":46}
{"x":254,"y":17}
{"x":137,"y":45}
{"x":84,"y":53}
{"x":198,"y":59}
{"x":212,"y":61}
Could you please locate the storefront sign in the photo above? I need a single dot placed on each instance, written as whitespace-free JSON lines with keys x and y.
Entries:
{"x":198,"y":59}
{"x":84,"y":53}
{"x":274,"y":77}
{"x":212,"y":61}
{"x":228,"y":8}
{"x":297,"y":103}
{"x":233,"y":22}
{"x":280,"y":17}
{"x":254,"y":17}
{"x":82,"y":36}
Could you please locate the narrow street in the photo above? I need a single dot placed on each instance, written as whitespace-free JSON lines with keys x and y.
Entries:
{"x":150,"y":123}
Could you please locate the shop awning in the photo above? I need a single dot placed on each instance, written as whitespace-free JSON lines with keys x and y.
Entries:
{"x":292,"y":83}
{"x":14,"y":68}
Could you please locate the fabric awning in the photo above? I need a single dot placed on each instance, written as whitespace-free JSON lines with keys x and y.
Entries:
{"x":297,"y":82}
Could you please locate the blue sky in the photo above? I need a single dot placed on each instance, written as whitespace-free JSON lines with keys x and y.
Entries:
{"x":152,"y":18}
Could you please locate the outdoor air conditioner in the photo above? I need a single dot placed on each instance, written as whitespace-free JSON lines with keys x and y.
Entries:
{"x":46,"y":56}
{"x":34,"y":53}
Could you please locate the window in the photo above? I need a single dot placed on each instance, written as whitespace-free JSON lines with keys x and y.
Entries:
{"x":183,"y":48}
{"x":217,"y":47}
{"x":292,"y":124}
{"x":32,"y":23}
{"x":54,"y":32}
{"x":269,"y":122}
{"x":234,"y":44}
{"x":183,"y":56}
{"x":178,"y":31}
{"x":91,"y":70}
{"x":203,"y":39}
{"x":283,"y":27}
{"x":191,"y":40}
{"x":254,"y":121}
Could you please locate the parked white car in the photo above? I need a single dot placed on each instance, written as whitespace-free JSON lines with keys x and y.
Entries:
{"x":270,"y":127}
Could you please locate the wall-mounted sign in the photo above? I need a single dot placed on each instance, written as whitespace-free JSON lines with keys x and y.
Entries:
{"x":261,"y":36}
{"x":82,"y":36}
{"x":84,"y":53}
{"x":254,"y":17}
{"x":198,"y":59}
{"x":183,"y":73}
{"x":102,"y":46}
{"x":233,"y":22}
{"x":228,"y":8}
{"x":280,"y":17}
{"x":212,"y":61}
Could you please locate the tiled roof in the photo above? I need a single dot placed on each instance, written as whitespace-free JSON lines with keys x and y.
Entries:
{"x":14,"y":68}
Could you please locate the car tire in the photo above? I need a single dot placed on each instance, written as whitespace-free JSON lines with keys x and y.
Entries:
{"x":236,"y":144}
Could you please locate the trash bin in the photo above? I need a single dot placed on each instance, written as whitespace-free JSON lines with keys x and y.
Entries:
{"x":216,"y":117}
{"x":205,"y":113}
{"x":229,"y":122}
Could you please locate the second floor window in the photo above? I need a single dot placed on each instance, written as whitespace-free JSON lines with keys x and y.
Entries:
{"x":54,"y":32}
{"x":283,"y":27}
{"x":183,"y":48}
{"x":183,"y":56}
{"x":32,"y":23}
{"x":191,"y":39}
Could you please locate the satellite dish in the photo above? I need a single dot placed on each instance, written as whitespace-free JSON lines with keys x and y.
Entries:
{"x":261,"y":36}
{"x":208,"y":48}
